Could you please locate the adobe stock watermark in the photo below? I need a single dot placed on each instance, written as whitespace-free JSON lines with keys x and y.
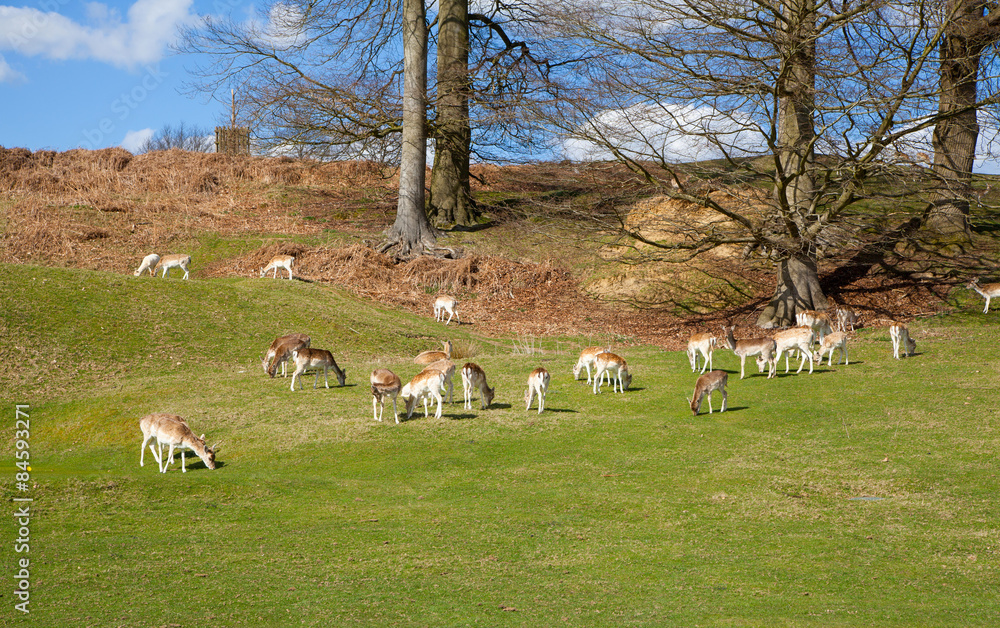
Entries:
{"x":123,"y":106}
{"x":22,"y":507}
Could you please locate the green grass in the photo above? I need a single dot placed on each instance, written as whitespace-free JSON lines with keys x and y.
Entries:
{"x":605,"y":510}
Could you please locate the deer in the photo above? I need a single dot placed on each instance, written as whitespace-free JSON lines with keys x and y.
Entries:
{"x":279,"y":261}
{"x":538,"y":383}
{"x":448,"y":368}
{"x":148,"y":263}
{"x":846,"y":317}
{"x":833,"y":341}
{"x":427,"y":384}
{"x":586,"y":360}
{"x":797,"y":338}
{"x":280,"y":352}
{"x":445,"y":304}
{"x":703,"y":344}
{"x":764,"y":347}
{"x":819,"y":322}
{"x":178,"y":260}
{"x":988,"y":291}
{"x":309,"y":358}
{"x":706,"y":384}
{"x":614,"y":365}
{"x":385,"y":383}
{"x":473,"y":376}
{"x":427,"y":357}
{"x":900,"y":337}
{"x":172,"y":430}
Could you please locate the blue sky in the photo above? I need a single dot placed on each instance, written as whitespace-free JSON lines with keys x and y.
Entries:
{"x":98,"y":74}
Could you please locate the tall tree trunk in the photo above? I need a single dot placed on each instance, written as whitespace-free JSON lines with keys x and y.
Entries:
{"x":451,"y":197}
{"x":412,"y":231}
{"x":797,"y":279}
{"x":797,"y":289}
{"x":956,"y":134}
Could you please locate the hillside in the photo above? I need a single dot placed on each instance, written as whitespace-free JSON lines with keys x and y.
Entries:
{"x":534,"y":268}
{"x":862,"y":494}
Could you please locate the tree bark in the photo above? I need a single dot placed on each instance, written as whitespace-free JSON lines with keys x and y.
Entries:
{"x":797,"y":289}
{"x":967,"y":33}
{"x":798,"y":280}
{"x":451,"y":197}
{"x":412,"y":230}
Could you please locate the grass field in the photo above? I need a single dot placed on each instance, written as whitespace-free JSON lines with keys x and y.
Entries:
{"x":860,"y":495}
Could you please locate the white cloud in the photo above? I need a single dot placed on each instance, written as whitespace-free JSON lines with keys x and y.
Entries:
{"x":9,"y":74}
{"x":150,"y":26}
{"x":135,"y":139}
{"x":672,"y":132}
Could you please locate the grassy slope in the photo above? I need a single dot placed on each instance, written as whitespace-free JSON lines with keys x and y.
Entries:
{"x":604,"y":510}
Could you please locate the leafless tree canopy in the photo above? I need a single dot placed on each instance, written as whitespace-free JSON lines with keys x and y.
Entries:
{"x":190,"y":138}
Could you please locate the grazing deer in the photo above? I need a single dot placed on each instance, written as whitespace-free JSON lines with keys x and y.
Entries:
{"x":703,"y":344}
{"x":446,"y":304}
{"x":900,"y":336}
{"x":473,"y":376}
{"x":586,"y":360}
{"x":819,"y":322}
{"x":711,"y":381}
{"x":172,"y":430}
{"x":796,"y":338}
{"x":385,"y":383}
{"x":174,"y":261}
{"x":279,"y":261}
{"x":427,"y":357}
{"x":615,"y":365}
{"x":308,"y":358}
{"x":834,"y":341}
{"x":427,"y":384}
{"x":280,"y":352}
{"x":148,"y":263}
{"x":846,"y":317}
{"x":764,"y":347}
{"x":988,"y":290}
{"x":448,"y":368}
{"x":538,"y":382}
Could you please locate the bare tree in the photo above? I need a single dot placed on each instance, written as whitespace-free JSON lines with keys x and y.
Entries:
{"x":705,"y":101}
{"x":412,"y":231}
{"x":970,"y":27}
{"x":189,"y":138}
{"x":450,"y":193}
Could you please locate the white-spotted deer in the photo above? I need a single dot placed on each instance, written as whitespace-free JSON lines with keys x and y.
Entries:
{"x":148,"y":263}
{"x":426,"y":357}
{"x":309,"y":358}
{"x":764,"y":347}
{"x":819,"y":322}
{"x":280,"y":352}
{"x":448,"y":368}
{"x":586,"y":360}
{"x":538,"y":383}
{"x":900,"y":337}
{"x":847,"y":317}
{"x":703,"y":344}
{"x":385,"y":383}
{"x":616,"y":366}
{"x":987,"y":290}
{"x":473,"y":377}
{"x":279,"y":261}
{"x":426,"y":385}
{"x":172,"y":430}
{"x":796,"y":338}
{"x":706,"y":384}
{"x":445,"y":304}
{"x":174,"y":261}
{"x":834,"y":341}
